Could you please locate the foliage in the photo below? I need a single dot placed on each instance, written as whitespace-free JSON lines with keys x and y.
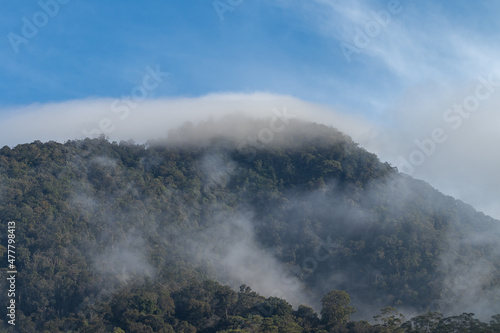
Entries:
{"x":336,"y":311}
{"x":101,"y":231}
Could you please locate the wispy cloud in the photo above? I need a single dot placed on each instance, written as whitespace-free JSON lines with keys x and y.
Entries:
{"x":415,"y":44}
{"x":429,"y":60}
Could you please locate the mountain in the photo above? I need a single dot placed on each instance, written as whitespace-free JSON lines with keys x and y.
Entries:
{"x":157,"y":236}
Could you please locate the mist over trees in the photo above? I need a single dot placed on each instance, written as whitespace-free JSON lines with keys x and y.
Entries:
{"x":306,"y":232}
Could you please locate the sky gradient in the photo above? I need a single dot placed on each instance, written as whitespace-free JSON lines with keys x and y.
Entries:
{"x":386,"y":72}
{"x":100,"y":49}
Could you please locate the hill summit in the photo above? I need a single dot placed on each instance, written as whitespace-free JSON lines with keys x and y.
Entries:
{"x":280,"y":208}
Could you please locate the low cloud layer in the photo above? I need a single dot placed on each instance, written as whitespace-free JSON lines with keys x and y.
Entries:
{"x":231,"y":248}
{"x":122,"y":120}
{"x":445,"y":134}
{"x":463,"y":165}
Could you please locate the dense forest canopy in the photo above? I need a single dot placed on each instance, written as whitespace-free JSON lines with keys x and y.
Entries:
{"x":301,"y":232}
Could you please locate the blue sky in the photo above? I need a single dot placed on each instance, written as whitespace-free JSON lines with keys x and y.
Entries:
{"x":412,"y":61}
{"x":100,"y":48}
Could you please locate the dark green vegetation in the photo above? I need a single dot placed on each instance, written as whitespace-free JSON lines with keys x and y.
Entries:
{"x":116,"y":237}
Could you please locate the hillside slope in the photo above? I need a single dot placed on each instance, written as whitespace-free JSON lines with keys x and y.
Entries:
{"x":296,"y":217}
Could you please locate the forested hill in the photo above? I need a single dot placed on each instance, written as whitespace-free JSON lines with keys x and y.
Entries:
{"x":142,"y":238}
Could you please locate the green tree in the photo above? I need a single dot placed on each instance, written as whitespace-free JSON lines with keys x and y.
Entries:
{"x":336,"y":311}
{"x":495,"y":323}
{"x":391,"y":320}
{"x":462,"y":323}
{"x":423,"y":323}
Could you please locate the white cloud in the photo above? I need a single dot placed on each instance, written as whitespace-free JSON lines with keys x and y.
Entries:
{"x":419,"y":42}
{"x":153,"y":118}
{"x":464,"y":166}
{"x":431,"y":60}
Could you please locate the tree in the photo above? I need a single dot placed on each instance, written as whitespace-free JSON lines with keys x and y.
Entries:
{"x":463,"y":323}
{"x":306,"y":316}
{"x":336,"y":311}
{"x":495,"y":322}
{"x":391,"y":320}
{"x":424,"y":323}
